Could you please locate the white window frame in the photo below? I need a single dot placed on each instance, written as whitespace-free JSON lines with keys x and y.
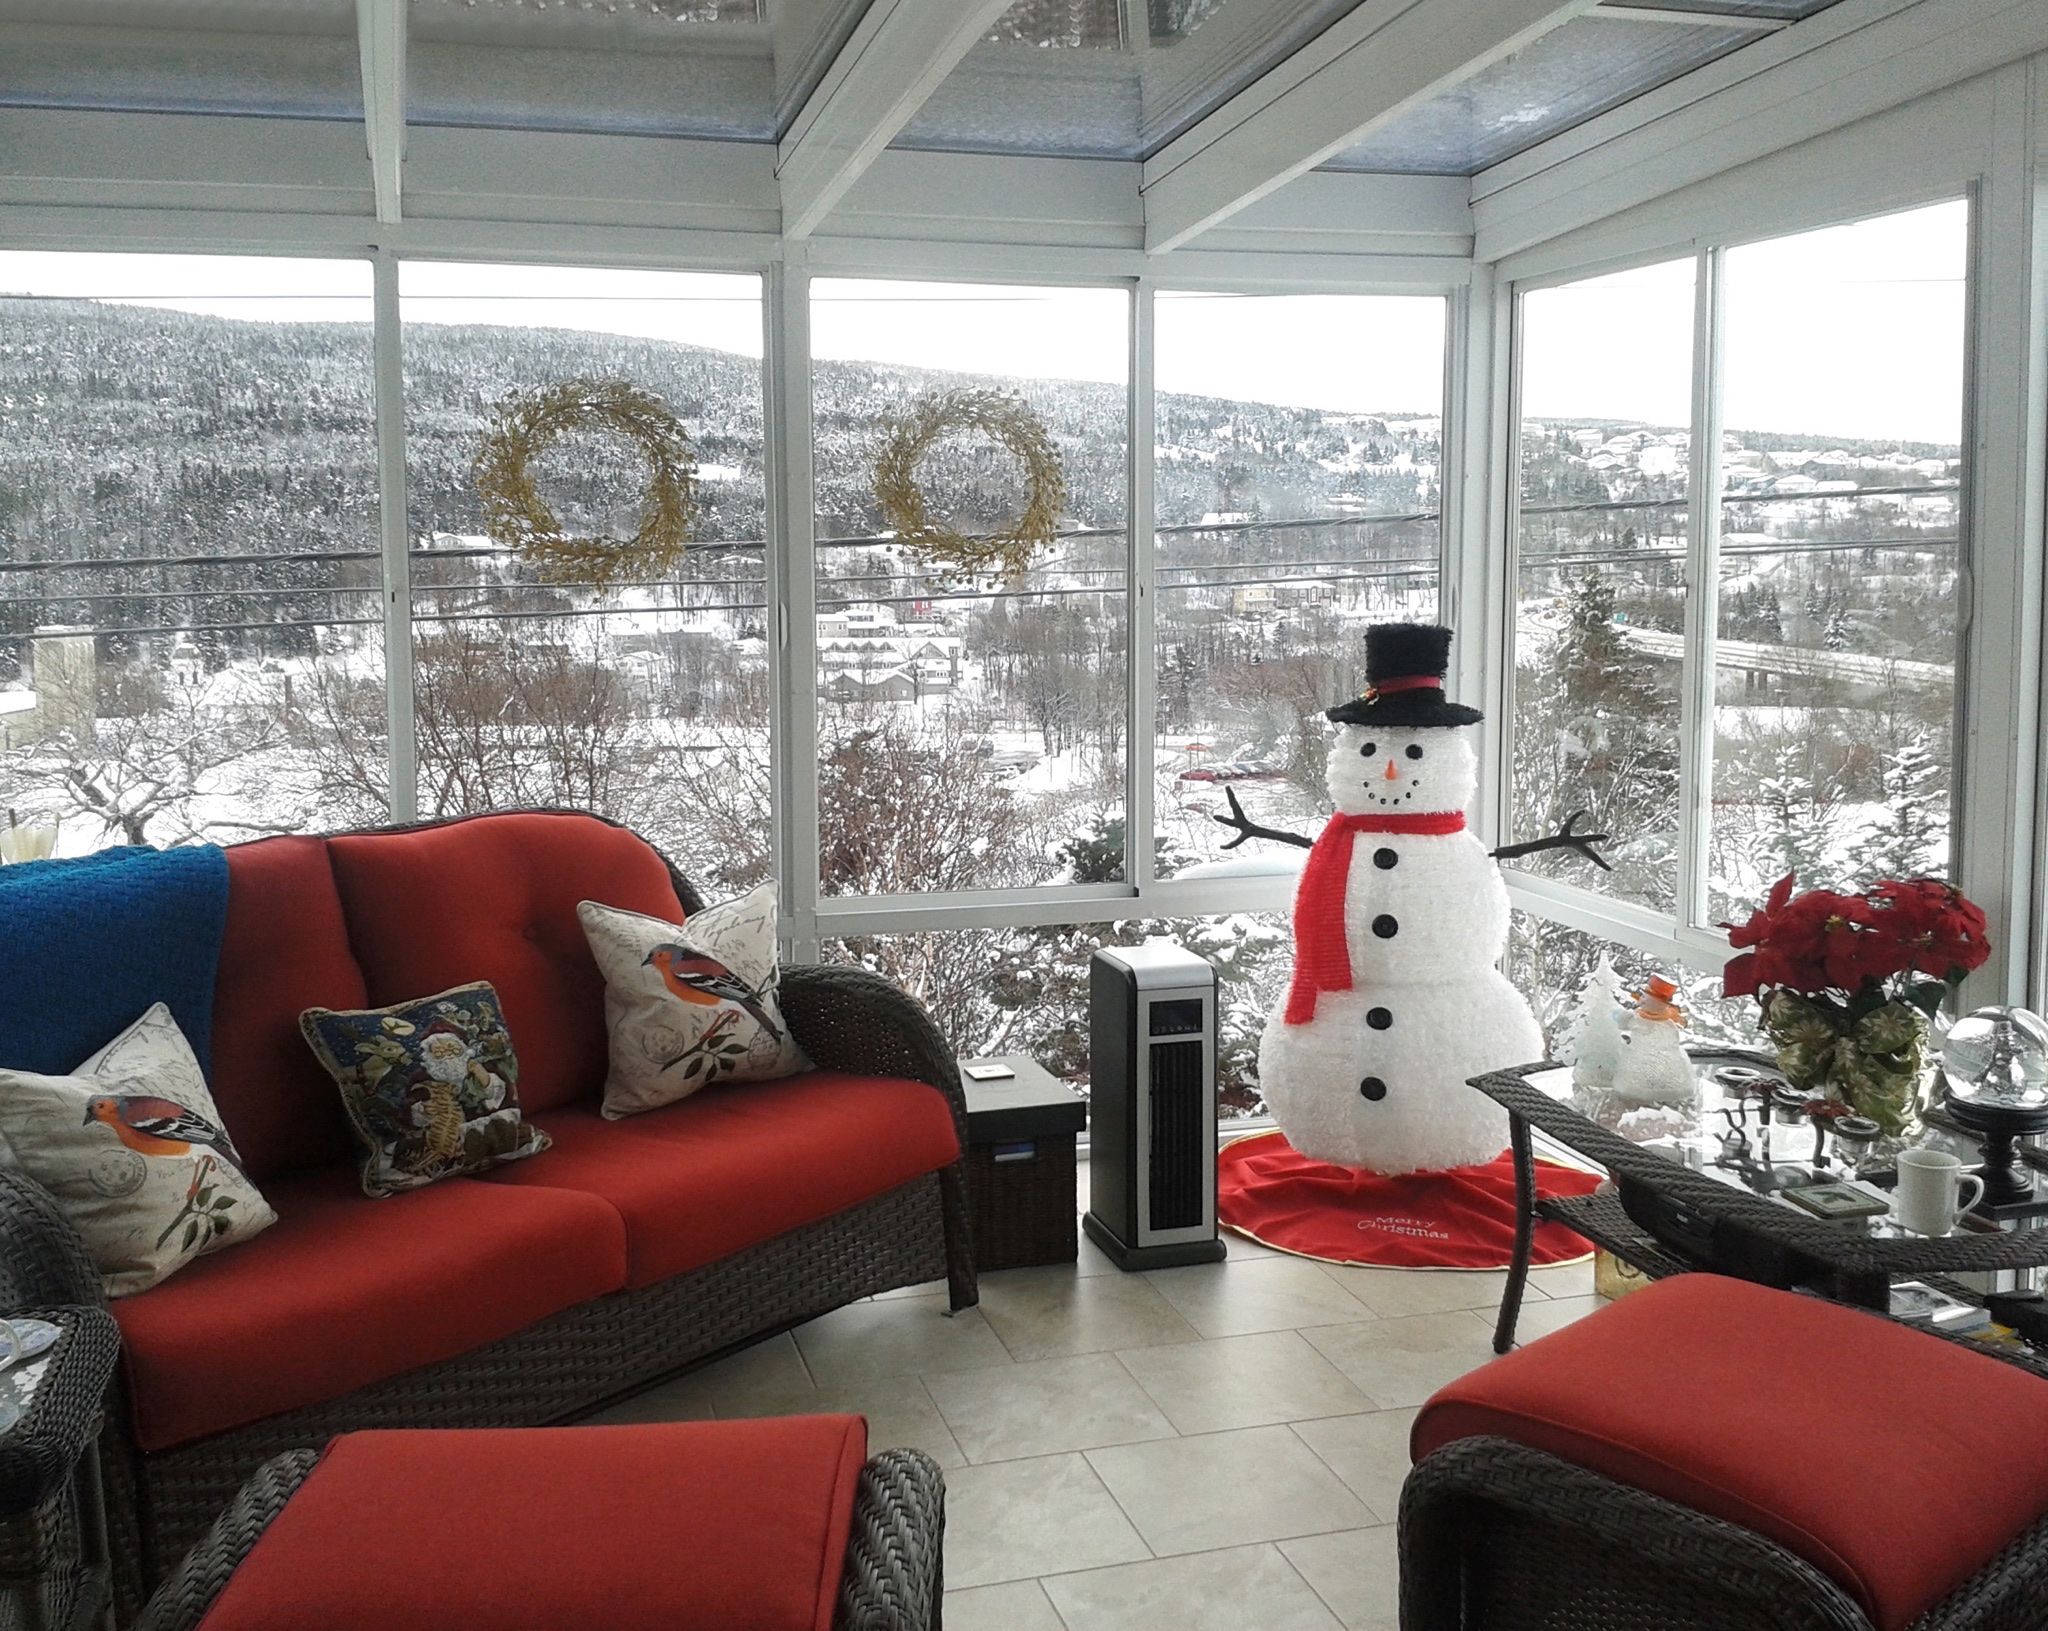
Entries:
{"x":1984,"y":141}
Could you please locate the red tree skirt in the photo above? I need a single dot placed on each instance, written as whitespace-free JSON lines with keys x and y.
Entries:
{"x":1461,"y":1219}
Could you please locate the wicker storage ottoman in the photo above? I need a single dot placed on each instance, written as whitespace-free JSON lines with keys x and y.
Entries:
{"x":1020,"y":1166}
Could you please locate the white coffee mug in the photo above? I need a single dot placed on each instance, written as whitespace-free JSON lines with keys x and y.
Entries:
{"x":1930,"y":1192}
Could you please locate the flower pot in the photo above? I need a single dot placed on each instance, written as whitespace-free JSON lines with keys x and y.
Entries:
{"x":1870,"y":1062}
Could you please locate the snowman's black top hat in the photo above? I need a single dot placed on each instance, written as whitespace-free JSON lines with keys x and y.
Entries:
{"x":1405,"y":664}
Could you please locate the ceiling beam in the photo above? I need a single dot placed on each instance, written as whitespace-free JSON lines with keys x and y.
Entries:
{"x":896,"y":58}
{"x":1354,"y":77}
{"x":380,"y":31}
{"x":1698,"y":19}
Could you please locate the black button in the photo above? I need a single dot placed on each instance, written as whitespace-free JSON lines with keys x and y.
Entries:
{"x":1373,"y":1088}
{"x":1378,"y":1018}
{"x":1385,"y":859}
{"x":1386,"y":926}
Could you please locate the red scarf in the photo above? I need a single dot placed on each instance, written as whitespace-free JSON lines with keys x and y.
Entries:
{"x":1322,"y":961}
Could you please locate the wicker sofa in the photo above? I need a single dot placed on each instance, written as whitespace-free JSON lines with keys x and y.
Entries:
{"x":534,"y":1293}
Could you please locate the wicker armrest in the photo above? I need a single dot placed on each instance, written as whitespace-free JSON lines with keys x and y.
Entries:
{"x":40,"y":1453}
{"x":850,"y":1019}
{"x":894,"y":1578}
{"x":187,"y":1593}
{"x":43,"y":1263}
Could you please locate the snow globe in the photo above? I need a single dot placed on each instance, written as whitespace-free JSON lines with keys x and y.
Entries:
{"x":1994,"y":1064}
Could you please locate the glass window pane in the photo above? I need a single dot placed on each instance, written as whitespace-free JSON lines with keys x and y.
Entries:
{"x":1606,"y":381}
{"x":646,"y":701}
{"x":191,"y":629}
{"x":1098,"y":79}
{"x":1573,"y":73}
{"x":1548,"y":963}
{"x":1025,"y":991}
{"x":970,"y":729}
{"x":1299,"y":440}
{"x":1841,"y":463}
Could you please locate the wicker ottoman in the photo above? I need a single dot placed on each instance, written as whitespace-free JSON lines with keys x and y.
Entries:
{"x":1710,"y":1454}
{"x":776,"y":1524}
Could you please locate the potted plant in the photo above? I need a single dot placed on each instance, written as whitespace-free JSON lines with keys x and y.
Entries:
{"x":1847,"y":985}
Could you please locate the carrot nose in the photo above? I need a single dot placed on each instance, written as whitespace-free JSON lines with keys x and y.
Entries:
{"x":1393,"y":773}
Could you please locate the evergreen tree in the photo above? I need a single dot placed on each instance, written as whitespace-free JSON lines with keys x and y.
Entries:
{"x":1910,"y":838}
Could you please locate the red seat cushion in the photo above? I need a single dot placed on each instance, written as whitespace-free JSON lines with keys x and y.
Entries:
{"x":343,"y":1291}
{"x":741,"y":1163}
{"x":494,"y":898}
{"x":1885,"y":1457}
{"x":285,"y":948}
{"x":682,"y":1526}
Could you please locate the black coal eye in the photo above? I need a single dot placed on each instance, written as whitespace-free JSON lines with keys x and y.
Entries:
{"x":1414,"y":750}
{"x":1370,"y":749}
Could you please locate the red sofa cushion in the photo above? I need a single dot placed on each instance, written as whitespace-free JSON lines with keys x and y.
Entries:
{"x":285,"y":948}
{"x":1858,"y":1444}
{"x":741,"y":1163}
{"x":681,"y":1526}
{"x":494,"y":898}
{"x":343,"y":1291}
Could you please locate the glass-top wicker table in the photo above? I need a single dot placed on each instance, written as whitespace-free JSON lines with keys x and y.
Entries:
{"x":1683,"y":1201}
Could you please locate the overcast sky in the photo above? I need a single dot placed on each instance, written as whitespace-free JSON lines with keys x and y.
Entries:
{"x":1851,"y":331}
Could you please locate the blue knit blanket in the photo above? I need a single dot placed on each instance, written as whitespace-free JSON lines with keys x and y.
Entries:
{"x":87,"y":945}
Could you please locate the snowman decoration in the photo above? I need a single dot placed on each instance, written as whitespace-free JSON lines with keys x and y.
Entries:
{"x":1399,"y":924}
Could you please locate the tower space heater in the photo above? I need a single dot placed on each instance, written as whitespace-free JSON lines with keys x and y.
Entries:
{"x":1152,"y":1115}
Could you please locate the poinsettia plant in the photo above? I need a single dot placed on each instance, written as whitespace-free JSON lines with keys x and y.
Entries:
{"x":1846,"y":984}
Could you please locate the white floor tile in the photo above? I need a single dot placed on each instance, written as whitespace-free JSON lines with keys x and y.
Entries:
{"x":1266,"y":1294}
{"x":1020,"y":1605}
{"x":1016,"y":1520}
{"x":1226,"y":1489}
{"x":1042,"y":1312}
{"x":1045,"y":1406}
{"x":898,"y":1336}
{"x":1236,"y":1590}
{"x":1358,"y":1573}
{"x":1247,"y":1381}
{"x":1403,"y":1361}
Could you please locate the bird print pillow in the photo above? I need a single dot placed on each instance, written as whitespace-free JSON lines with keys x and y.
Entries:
{"x":131,"y":1148}
{"x":689,"y":1004}
{"x":431,"y":1087}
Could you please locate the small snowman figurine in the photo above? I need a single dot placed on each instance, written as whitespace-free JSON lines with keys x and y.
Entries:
{"x":1399,"y":924}
{"x":1654,"y":1068}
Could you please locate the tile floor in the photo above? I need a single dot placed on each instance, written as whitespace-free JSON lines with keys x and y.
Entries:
{"x":1218,"y":1446}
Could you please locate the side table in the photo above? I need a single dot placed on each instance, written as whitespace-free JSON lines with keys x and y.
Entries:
{"x":1020,"y":1165}
{"x":1667,"y":1217}
{"x":54,"y":1565}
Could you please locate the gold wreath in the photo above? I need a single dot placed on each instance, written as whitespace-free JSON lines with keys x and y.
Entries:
{"x":517,"y":516}
{"x":1013,"y":424}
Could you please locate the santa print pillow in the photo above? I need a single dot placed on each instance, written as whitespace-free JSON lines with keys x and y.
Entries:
{"x":131,"y":1148}
{"x":687,"y":1004}
{"x":431,"y":1086}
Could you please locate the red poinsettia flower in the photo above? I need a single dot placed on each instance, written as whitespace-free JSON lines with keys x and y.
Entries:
{"x":1942,"y":932}
{"x":1823,"y":941}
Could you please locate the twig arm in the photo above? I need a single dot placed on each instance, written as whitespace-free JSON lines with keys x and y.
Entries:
{"x":1243,"y":825}
{"x":1565,"y":838}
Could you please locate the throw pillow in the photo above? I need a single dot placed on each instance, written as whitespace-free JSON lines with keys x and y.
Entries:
{"x":430,"y":1086}
{"x":689,"y":1003}
{"x":131,"y":1148}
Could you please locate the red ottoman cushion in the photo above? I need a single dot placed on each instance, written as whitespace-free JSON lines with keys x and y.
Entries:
{"x":1884,"y":1457}
{"x":285,"y":948}
{"x":343,"y":1291}
{"x":734,"y":1165}
{"x":723,"y":1526}
{"x":494,"y":898}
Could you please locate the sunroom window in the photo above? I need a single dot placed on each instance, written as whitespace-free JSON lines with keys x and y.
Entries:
{"x":1767,"y":683}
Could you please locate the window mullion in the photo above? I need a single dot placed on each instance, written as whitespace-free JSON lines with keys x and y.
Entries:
{"x":1140,"y":666}
{"x":388,"y":376}
{"x":1702,"y":598}
{"x":792,"y":594}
